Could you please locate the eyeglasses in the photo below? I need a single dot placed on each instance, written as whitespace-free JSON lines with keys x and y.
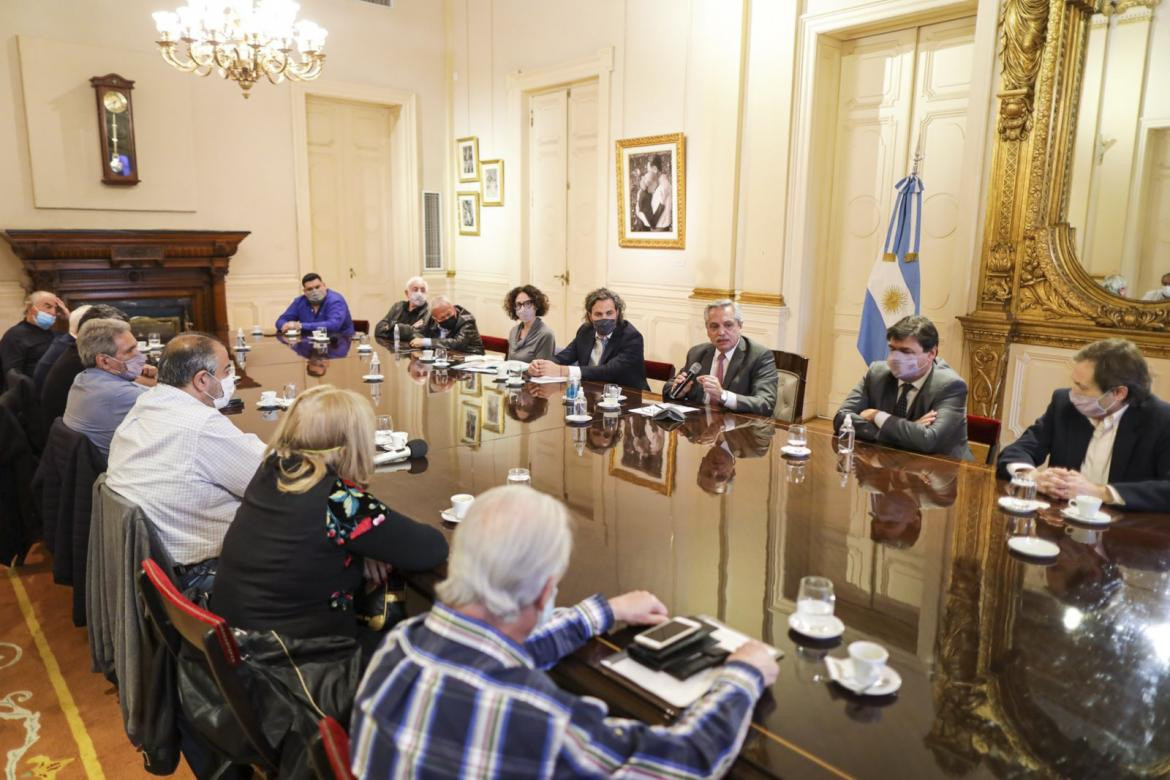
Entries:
{"x":525,"y":305}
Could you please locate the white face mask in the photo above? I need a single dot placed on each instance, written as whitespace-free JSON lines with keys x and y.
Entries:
{"x":316,"y":296}
{"x":1166,"y":291}
{"x":904,"y":367}
{"x":526,"y":313}
{"x":417,"y":299}
{"x":227,"y":386}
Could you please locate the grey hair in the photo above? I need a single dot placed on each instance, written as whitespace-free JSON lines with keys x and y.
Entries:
{"x":414,"y":279}
{"x":75,"y":319}
{"x":723,"y":303}
{"x":184,"y":357}
{"x":605,"y":294}
{"x":35,"y":296}
{"x":97,"y":337}
{"x":439,"y":300}
{"x":1114,"y":283}
{"x":512,"y":541}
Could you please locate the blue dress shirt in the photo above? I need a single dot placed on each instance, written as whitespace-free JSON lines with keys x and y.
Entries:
{"x":333,"y":314}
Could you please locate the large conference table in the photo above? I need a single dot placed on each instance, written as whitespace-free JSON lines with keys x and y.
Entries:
{"x":1010,"y":667}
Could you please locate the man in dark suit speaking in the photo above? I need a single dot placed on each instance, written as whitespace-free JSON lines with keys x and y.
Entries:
{"x":1106,"y":436}
{"x":607,"y":348}
{"x":913,"y":399}
{"x":734,"y":373}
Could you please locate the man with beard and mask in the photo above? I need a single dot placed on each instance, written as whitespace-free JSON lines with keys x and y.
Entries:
{"x":319,"y":307}
{"x":1106,"y":436}
{"x":912,"y":400}
{"x":607,"y":348}
{"x":105,"y":391}
{"x":180,"y":460}
{"x":412,"y":309}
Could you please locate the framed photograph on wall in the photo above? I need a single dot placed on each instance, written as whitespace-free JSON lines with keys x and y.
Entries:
{"x":467,"y":158}
{"x":469,"y":385}
{"x":493,"y":182}
{"x":652,"y":191}
{"x":470,"y":422}
{"x":493,"y":410}
{"x":467,"y":204}
{"x":646,"y":455}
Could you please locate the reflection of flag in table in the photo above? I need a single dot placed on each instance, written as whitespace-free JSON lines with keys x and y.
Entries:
{"x":893,"y":289}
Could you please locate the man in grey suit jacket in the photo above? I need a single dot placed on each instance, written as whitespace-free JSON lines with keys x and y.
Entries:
{"x":735,"y":373}
{"x":913,"y":400}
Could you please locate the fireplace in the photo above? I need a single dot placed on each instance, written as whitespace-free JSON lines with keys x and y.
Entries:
{"x":173,"y":275}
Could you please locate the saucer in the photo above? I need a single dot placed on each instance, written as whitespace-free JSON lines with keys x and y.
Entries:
{"x":257,"y":331}
{"x":365,"y":348}
{"x":449,"y":515}
{"x":292,"y":333}
{"x":373,"y":378}
{"x":609,"y":406}
{"x":796,"y":452}
{"x":426,"y":360}
{"x":1033,"y":547}
{"x":442,"y":363}
{"x":278,"y":404}
{"x":816,"y":626}
{"x":517,"y":382}
{"x":579,"y":418}
{"x":841,"y":672}
{"x":318,"y":338}
{"x":1021,"y":506}
{"x":1100,"y":519}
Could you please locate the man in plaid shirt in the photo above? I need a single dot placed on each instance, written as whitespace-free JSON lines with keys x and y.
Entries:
{"x":460,"y":691}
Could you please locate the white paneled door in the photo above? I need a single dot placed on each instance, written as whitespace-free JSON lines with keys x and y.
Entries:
{"x":897,"y":91}
{"x":350,"y":194}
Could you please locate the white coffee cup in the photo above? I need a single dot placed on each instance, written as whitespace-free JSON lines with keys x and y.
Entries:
{"x":428,"y":354}
{"x":1085,"y":506}
{"x":460,"y":503}
{"x":398,"y":439}
{"x":268,"y":398}
{"x":869,"y":658}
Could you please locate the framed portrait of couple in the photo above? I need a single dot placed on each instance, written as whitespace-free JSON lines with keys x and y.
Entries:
{"x":651,"y":192}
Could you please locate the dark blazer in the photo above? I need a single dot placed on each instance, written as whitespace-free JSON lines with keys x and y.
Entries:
{"x":462,"y":332}
{"x":400,"y":314}
{"x":751,"y":375}
{"x":1140,"y":469}
{"x":55,"y":392}
{"x":622,"y":361}
{"x":944,"y":392}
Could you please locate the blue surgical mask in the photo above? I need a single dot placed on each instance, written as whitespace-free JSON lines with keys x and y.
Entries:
{"x":45,"y":320}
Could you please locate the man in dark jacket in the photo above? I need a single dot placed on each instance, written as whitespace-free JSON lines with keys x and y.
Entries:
{"x":24,"y":343}
{"x":59,"y":379}
{"x":1106,"y":436}
{"x":607,"y":348}
{"x":405,"y":313}
{"x":450,"y":327}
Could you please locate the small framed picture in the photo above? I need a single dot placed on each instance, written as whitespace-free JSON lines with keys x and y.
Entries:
{"x":468,"y":205}
{"x":470,"y":422}
{"x":493,"y":411}
{"x":469,"y":385}
{"x":493,"y":182}
{"x":646,"y":455}
{"x":467,"y":155}
{"x":652,"y":192}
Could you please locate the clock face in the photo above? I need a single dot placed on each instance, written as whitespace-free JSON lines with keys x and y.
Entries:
{"x":114,"y":101}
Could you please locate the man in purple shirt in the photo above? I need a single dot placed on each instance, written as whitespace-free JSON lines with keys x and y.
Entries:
{"x":319,"y":307}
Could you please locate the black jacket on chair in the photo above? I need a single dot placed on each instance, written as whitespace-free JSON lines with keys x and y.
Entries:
{"x":20,"y":523}
{"x":1140,"y":468}
{"x":622,"y":362}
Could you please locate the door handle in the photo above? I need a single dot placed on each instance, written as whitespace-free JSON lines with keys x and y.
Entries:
{"x":563,"y":277}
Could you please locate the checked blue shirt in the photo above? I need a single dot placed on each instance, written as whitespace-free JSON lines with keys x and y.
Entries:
{"x":449,"y":696}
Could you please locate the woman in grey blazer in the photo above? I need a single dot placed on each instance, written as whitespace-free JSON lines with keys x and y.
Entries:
{"x":531,"y":339}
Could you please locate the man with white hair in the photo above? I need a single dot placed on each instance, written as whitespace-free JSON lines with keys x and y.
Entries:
{"x":406,"y":312}
{"x":461,"y":691}
{"x":105,"y":391}
{"x":449,"y":327}
{"x":60,"y":343}
{"x":26,"y":342}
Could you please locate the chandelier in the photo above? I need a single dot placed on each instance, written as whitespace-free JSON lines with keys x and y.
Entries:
{"x":242,"y":40}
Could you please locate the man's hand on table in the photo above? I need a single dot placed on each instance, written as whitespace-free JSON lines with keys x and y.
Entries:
{"x":544,"y":367}
{"x":1067,"y":483}
{"x":638,"y":608}
{"x":416,"y":343}
{"x":290,"y":325}
{"x":758,"y":655}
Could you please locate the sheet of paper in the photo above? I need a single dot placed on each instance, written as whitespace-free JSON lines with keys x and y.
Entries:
{"x":548,"y":380}
{"x":652,"y":409}
{"x":477,"y":368}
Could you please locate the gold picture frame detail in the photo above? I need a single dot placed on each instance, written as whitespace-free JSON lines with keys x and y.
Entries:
{"x":467,"y":151}
{"x":665,"y":483}
{"x":470,"y":423}
{"x":485,"y":169}
{"x":632,"y":154}
{"x":461,"y":213}
{"x":493,"y":418}
{"x":469,"y":386}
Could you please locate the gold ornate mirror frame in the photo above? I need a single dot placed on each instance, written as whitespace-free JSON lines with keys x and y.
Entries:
{"x":1032,"y":288}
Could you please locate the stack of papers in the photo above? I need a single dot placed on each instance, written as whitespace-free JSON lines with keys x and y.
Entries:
{"x":548,"y":380}
{"x":652,"y":409}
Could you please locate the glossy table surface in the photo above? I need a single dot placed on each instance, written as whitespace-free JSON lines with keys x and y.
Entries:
{"x":1010,"y":666}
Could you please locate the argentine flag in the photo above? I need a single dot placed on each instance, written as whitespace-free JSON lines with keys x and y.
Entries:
{"x":893,"y":289}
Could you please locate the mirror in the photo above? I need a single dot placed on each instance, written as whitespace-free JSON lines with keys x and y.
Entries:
{"x":1119,"y":192}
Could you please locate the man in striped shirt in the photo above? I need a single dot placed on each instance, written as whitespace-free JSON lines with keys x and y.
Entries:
{"x":460,"y":691}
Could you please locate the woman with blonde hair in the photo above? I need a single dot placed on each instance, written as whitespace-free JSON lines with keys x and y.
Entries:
{"x":294,"y":555}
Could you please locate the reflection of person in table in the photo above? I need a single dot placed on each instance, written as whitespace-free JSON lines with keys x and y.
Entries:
{"x":717,"y":468}
{"x":900,"y":485}
{"x":644,"y":444}
{"x":530,"y":403}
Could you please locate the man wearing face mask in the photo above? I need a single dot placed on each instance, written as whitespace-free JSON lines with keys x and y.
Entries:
{"x":185,"y":464}
{"x":318,"y":307}
{"x":25,"y":342}
{"x":405,"y":313}
{"x":450,"y":327}
{"x":607,"y":348}
{"x":1159,"y":294}
{"x":1106,"y":436}
{"x":913,"y":400}
{"x":105,"y":391}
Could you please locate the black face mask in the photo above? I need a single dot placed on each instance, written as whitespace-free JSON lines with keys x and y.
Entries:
{"x":604,"y":327}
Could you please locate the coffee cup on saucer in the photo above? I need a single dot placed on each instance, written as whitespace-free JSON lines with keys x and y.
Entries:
{"x":268,"y":398}
{"x":1085,"y":506}
{"x":460,"y":503}
{"x":869,"y":659}
{"x":428,"y":354}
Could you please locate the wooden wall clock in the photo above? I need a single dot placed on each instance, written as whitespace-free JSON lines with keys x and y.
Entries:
{"x":119,"y":155}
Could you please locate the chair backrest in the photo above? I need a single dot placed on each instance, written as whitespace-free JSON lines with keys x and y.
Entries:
{"x":361,"y":326}
{"x":660,"y":371}
{"x":166,"y":327}
{"x":28,"y":408}
{"x":168,"y":607}
{"x":224,"y":657}
{"x":329,"y":754}
{"x":495,"y":344}
{"x":984,"y":430}
{"x":793,"y":371}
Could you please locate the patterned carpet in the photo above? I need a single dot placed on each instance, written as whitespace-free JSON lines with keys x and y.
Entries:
{"x":57,"y":718}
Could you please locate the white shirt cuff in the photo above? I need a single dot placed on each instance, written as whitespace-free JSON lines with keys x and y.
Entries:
{"x":575,"y":373}
{"x":1012,"y":468}
{"x":729,"y":400}
{"x":426,"y":342}
{"x":880,"y":418}
{"x":1115,"y":498}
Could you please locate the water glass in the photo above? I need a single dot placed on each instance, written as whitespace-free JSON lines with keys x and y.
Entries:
{"x":364,"y":341}
{"x":1023,"y":488}
{"x":153,"y":341}
{"x":612,"y":393}
{"x":795,"y":472}
{"x":519,"y":476}
{"x":501,"y":372}
{"x":320,"y":333}
{"x":290,"y":393}
{"x":440,"y":355}
{"x":815,"y":596}
{"x":797,"y":435}
{"x":385,"y":423}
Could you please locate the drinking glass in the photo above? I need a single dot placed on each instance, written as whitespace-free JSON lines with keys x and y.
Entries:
{"x":797,"y":435}
{"x":815,"y":596}
{"x":440,"y":355}
{"x":364,"y":341}
{"x":290,"y":392}
{"x":795,"y":472}
{"x":153,"y":340}
{"x":385,"y":423}
{"x":519,"y":476}
{"x":1023,"y":488}
{"x":612,"y":392}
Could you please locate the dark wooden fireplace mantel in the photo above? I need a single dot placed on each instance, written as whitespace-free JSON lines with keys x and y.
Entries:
{"x":96,"y":266}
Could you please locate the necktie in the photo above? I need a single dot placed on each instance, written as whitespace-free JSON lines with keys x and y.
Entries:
{"x":598,"y":348}
{"x":900,"y":406}
{"x":719,"y":367}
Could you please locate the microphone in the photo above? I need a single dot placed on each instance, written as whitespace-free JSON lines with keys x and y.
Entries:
{"x":673,"y":390}
{"x":414,"y":449}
